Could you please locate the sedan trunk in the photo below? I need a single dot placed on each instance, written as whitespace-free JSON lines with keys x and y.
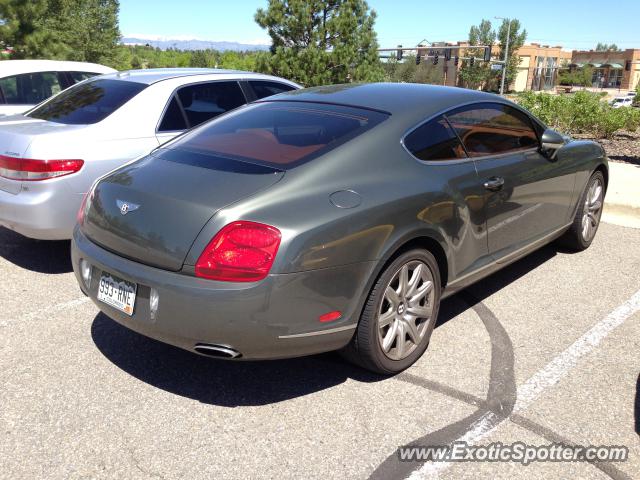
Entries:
{"x":152,"y":210}
{"x":17,"y":133}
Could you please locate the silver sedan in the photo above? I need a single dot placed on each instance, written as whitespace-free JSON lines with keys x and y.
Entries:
{"x":50,"y":156}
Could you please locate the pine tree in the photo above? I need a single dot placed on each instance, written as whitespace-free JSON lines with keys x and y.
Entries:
{"x":320,"y":42}
{"x":87,"y":29}
{"x":21,"y":29}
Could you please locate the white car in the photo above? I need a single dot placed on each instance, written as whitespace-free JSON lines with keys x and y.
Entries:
{"x":26,"y":83}
{"x":619,"y":102}
{"x":51,"y":155}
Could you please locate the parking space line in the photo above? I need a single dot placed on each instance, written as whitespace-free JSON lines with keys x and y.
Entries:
{"x":47,"y":310}
{"x":548,"y":376}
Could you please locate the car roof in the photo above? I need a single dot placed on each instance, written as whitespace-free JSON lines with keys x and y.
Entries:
{"x":16,"y":67}
{"x":153,"y":75}
{"x":409,"y":99}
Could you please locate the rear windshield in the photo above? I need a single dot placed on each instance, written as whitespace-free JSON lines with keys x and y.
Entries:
{"x":87,"y":103}
{"x":278,"y":134}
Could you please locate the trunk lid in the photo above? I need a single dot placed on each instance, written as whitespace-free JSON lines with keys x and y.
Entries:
{"x":170,"y":195}
{"x":17,"y":133}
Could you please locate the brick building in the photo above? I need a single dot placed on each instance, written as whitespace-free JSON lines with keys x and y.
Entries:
{"x":539,"y":65}
{"x":610,"y":69}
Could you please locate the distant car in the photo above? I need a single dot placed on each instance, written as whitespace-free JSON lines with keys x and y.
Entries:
{"x":619,"y":102}
{"x":50,"y":156}
{"x":329,"y":218}
{"x":26,"y":83}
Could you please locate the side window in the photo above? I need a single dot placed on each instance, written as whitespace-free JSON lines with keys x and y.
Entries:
{"x":264,"y":89}
{"x":493,"y":128}
{"x":204,"y":101}
{"x":434,"y":141}
{"x":173,"y":118}
{"x":29,"y":88}
{"x":80,"y":76}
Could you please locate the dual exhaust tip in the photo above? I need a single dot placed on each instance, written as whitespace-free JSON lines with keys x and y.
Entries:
{"x":217,"y":351}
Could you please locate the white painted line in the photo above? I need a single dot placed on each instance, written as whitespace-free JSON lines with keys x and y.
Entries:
{"x":548,"y":376}
{"x":46,"y":311}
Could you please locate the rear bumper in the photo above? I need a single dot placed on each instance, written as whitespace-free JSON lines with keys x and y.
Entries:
{"x":43,"y":213}
{"x":273,"y":318}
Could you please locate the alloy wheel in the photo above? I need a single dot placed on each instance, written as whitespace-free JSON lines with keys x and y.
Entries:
{"x":406,"y":310}
{"x":592,"y":210}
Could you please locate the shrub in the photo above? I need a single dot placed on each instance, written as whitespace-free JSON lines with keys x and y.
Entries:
{"x":582,"y":112}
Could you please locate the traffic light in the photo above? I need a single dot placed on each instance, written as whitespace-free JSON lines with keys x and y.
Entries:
{"x":435,"y":58}
{"x":399,"y":53}
{"x":456,"y":60}
{"x":472,"y":60}
{"x":447,"y":54}
{"x":487,"y":54}
{"x":418,"y":58}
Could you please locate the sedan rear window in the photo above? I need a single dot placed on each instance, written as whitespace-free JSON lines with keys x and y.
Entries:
{"x":87,"y":103}
{"x":279,"y":134}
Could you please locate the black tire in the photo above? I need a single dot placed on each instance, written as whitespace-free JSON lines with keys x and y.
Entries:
{"x":365,"y":348}
{"x":574,"y":238}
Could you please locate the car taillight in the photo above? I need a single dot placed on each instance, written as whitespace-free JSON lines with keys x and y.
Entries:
{"x":30,"y":170}
{"x":240,"y":252}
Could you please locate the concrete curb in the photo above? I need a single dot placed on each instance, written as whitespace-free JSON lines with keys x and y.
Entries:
{"x":622,"y":215}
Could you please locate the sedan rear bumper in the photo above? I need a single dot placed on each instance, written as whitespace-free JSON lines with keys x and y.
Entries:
{"x":42,"y":213}
{"x":277,"y":317}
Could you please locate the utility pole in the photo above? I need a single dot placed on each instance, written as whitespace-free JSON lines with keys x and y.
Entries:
{"x":506,"y":53}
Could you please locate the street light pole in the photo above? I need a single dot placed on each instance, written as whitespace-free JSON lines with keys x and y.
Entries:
{"x":506,"y":53}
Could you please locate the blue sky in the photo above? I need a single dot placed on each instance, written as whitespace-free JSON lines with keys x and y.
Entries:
{"x":571,"y":23}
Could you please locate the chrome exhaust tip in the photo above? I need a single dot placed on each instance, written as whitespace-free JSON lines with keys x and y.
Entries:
{"x":217,"y":351}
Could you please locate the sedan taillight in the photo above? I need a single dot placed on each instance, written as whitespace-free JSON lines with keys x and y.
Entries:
{"x":240,"y":252}
{"x":30,"y":170}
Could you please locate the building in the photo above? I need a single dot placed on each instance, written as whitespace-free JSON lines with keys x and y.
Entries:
{"x":539,"y":65}
{"x":610,"y":69}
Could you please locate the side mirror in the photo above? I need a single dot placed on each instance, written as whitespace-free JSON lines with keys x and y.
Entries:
{"x":552,"y":141}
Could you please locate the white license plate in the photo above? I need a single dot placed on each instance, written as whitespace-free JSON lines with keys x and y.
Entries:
{"x":118,"y":293}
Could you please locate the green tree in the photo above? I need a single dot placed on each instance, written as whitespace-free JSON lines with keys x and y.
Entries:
{"x":605,"y":47}
{"x":320,"y":41}
{"x":516,"y":41}
{"x":21,"y":29}
{"x":479,"y":74}
{"x":87,"y":29}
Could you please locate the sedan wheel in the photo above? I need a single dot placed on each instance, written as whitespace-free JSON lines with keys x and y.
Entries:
{"x":399,"y":315}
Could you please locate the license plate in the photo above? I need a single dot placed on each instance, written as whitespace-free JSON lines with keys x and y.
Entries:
{"x":117,"y":293}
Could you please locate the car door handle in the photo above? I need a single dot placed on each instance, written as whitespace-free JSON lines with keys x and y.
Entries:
{"x":494,"y":184}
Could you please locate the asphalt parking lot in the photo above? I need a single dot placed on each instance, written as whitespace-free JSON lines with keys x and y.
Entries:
{"x":547,"y":350}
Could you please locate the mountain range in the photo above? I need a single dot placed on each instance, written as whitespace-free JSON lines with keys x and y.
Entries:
{"x":194,"y":44}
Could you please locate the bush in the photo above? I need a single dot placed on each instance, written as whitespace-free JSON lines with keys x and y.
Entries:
{"x":582,"y":112}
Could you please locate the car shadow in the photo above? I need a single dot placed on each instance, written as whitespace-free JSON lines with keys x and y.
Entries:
{"x":39,"y":256}
{"x":232,"y":384}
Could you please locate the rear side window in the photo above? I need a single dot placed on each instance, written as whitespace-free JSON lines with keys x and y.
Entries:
{"x":87,"y":103}
{"x":435,"y":140}
{"x":205,"y":101}
{"x":173,"y":118}
{"x":278,"y":134}
{"x":29,"y":88}
{"x":264,"y":89}
{"x":492,"y":128}
{"x":80,"y":76}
